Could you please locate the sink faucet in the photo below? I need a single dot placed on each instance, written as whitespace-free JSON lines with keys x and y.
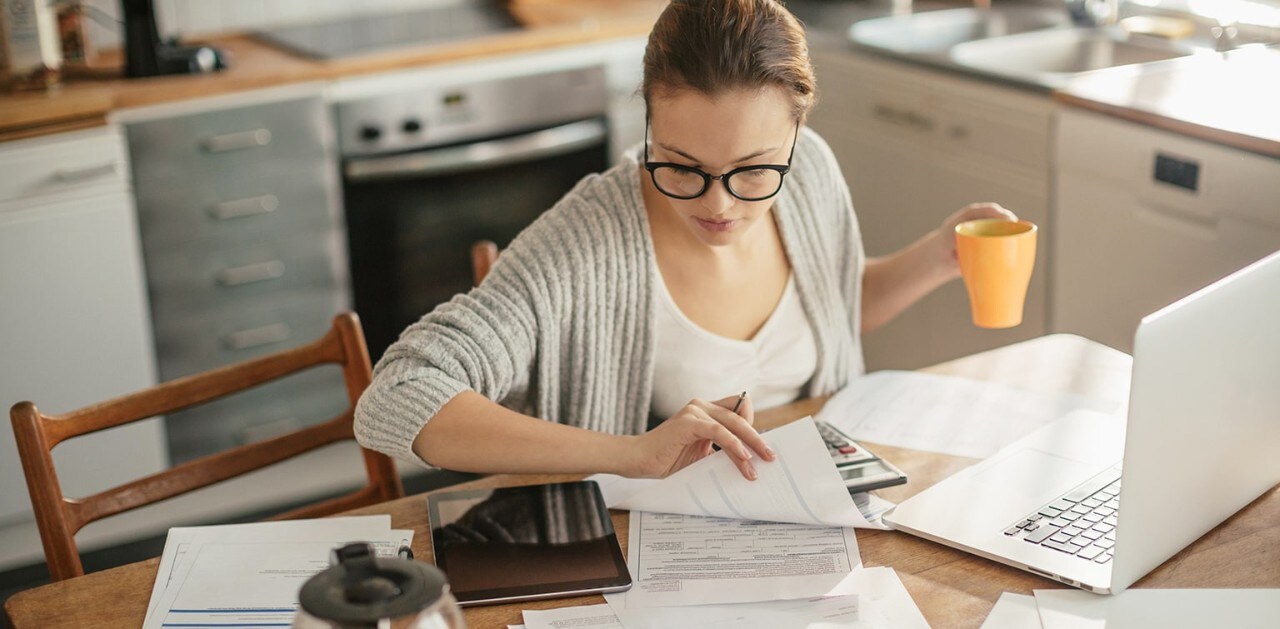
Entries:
{"x":1224,"y":36}
{"x":1094,"y":12}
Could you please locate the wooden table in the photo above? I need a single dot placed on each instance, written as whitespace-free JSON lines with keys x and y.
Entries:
{"x":952,"y":588}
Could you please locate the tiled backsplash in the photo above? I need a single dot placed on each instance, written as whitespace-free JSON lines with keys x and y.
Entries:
{"x":197,"y":17}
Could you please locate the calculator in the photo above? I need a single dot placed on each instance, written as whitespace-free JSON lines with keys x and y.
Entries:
{"x":860,"y":468}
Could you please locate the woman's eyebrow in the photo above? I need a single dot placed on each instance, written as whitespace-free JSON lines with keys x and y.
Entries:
{"x":697,"y":162}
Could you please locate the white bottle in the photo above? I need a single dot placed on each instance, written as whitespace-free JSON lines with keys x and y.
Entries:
{"x":30,"y":53}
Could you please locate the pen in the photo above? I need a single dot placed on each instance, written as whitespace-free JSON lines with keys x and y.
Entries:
{"x":736,"y":405}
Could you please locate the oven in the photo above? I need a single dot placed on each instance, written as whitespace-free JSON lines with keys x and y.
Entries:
{"x":429,"y":172}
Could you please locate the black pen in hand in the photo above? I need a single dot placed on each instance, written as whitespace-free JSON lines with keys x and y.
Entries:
{"x":737,"y":405}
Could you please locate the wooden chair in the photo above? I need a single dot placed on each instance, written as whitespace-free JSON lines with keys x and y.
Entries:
{"x":483,"y":254}
{"x":59,"y":518}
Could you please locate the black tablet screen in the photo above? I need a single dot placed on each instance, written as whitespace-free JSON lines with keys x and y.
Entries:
{"x":526,"y":542}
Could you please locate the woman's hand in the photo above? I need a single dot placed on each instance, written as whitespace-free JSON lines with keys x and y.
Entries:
{"x":688,"y":436}
{"x":945,"y":237}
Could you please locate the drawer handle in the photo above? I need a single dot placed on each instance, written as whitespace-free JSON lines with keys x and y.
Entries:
{"x":244,"y":207}
{"x":250,"y":273}
{"x":905,"y":117}
{"x":237,"y":141}
{"x":257,"y":337}
{"x":85,"y":174}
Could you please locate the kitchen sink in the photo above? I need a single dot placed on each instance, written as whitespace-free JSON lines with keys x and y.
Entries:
{"x":938,"y":31}
{"x":1049,"y":56}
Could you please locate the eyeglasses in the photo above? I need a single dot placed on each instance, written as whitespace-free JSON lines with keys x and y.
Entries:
{"x":749,"y":183}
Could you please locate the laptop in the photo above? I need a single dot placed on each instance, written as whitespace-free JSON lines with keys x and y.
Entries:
{"x":1197,"y":446}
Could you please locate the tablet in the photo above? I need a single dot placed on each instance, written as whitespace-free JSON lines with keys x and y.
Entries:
{"x":520,"y":543}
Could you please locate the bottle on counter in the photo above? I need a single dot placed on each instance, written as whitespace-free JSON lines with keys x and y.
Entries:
{"x":30,"y":48}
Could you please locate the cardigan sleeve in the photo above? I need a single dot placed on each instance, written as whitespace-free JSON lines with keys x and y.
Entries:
{"x":483,"y":340}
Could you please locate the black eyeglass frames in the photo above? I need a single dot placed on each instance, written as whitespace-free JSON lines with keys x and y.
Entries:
{"x":748,"y":183}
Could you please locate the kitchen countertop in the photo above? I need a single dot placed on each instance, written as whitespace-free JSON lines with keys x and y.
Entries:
{"x":1230,"y":99}
{"x":1218,"y":98}
{"x":85,"y":97}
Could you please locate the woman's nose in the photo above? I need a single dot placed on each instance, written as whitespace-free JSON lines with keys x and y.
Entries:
{"x":717,"y":199}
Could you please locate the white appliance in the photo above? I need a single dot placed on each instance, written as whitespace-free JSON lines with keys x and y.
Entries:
{"x":74,"y":328}
{"x":1197,"y":447}
{"x":1143,"y":217}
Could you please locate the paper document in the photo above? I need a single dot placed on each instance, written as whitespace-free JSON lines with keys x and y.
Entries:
{"x":956,"y":416}
{"x":802,"y":486}
{"x":180,"y":539}
{"x":581,"y":617}
{"x":1013,"y":611}
{"x":679,"y":559}
{"x":1167,"y":609}
{"x":867,"y":598}
{"x":250,"y":574}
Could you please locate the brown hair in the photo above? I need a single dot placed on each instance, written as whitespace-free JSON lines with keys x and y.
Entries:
{"x":713,"y":46}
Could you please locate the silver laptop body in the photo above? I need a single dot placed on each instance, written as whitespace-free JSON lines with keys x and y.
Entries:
{"x":1203,"y":424}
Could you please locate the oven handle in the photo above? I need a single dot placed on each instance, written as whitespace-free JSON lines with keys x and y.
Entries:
{"x":468,"y":157}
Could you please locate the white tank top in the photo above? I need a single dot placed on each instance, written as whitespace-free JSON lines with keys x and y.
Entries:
{"x":773,"y":367}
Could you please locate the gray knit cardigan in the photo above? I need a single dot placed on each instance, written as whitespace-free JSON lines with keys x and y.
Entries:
{"x":563,"y":326}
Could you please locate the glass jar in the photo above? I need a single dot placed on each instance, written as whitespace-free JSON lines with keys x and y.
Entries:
{"x":362,"y":590}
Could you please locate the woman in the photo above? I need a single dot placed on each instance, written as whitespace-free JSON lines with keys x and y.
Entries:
{"x":723,"y":255}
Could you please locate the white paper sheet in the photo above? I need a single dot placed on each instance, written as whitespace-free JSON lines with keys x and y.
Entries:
{"x":250,"y":575}
{"x":691,"y":560}
{"x":946,"y":414}
{"x":1013,"y":611}
{"x":580,"y":617}
{"x":179,"y":539}
{"x":868,"y":598}
{"x":801,"y":486}
{"x":1167,"y":609}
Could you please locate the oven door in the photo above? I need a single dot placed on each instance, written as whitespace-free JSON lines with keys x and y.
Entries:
{"x":412,"y":217}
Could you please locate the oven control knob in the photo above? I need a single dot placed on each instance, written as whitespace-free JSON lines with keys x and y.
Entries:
{"x":411,"y":125}
{"x":370,"y":132}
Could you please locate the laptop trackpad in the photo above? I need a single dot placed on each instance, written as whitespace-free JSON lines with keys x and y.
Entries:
{"x":1033,"y":472}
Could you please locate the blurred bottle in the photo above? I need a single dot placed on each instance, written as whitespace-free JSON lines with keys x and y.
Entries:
{"x":30,"y":50}
{"x":77,"y":49}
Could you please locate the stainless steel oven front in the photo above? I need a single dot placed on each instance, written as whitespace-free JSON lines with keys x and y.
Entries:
{"x":429,"y":172}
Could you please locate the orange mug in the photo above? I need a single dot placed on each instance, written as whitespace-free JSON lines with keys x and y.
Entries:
{"x":996,"y":259}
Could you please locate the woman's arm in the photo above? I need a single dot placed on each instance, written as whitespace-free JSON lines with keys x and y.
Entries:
{"x":891,"y":283}
{"x":473,"y":434}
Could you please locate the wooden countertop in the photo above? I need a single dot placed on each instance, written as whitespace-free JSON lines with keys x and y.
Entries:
{"x":1229,"y":99}
{"x":86,"y":97}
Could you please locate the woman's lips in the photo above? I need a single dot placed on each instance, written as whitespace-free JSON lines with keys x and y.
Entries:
{"x":711,"y":225}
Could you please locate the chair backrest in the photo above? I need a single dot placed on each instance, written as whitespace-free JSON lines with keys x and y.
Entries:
{"x":59,"y":517}
{"x":483,"y":254}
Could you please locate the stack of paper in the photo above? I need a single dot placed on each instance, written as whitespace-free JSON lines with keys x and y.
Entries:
{"x":1137,"y":609}
{"x":250,"y":574}
{"x":946,"y":414}
{"x":708,"y":548}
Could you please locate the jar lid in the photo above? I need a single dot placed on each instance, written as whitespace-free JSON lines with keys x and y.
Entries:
{"x":362,"y":588}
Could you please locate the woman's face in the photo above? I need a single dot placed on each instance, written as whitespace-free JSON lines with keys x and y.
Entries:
{"x":718,"y":134}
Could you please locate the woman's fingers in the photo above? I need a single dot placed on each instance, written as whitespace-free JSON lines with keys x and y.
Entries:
{"x":708,"y":428}
{"x":738,"y":425}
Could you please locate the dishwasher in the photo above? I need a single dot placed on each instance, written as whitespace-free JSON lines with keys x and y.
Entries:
{"x":1144,"y":217}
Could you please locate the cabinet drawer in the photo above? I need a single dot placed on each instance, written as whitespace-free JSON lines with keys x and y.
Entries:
{"x":188,"y":346}
{"x":245,"y":138}
{"x":297,"y":401}
{"x":229,"y":209}
{"x":873,"y":97}
{"x":66,"y":162}
{"x":207,"y":275}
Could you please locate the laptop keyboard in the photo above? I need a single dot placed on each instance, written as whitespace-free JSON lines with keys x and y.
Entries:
{"x":1081,"y":523}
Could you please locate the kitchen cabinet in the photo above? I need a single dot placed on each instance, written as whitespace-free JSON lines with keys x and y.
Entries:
{"x":915,"y":145}
{"x":245,"y":255}
{"x":74,"y":325}
{"x":1146,"y":217}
